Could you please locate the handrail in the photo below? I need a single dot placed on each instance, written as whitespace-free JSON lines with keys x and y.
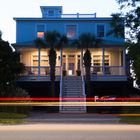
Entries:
{"x":77,"y":15}
{"x":44,"y":70}
{"x":83,"y":82}
{"x":83,"y":86}
{"x":61,"y":87}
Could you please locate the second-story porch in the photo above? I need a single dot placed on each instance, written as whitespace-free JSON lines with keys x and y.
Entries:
{"x":107,"y":64}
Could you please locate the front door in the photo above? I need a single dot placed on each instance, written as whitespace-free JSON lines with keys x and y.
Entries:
{"x":71,"y":69}
{"x":71,"y":64}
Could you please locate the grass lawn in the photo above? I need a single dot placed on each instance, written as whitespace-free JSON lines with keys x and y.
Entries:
{"x":130,"y":120}
{"x":12,"y":118}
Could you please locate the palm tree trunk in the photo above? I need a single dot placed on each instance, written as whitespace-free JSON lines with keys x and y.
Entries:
{"x":52,"y":62}
{"x":87,"y":63}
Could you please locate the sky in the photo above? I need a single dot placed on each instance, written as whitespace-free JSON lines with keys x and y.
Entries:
{"x":31,"y":8}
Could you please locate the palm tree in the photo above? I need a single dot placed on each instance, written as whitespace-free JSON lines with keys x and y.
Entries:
{"x":87,"y":41}
{"x":52,"y":40}
{"x":0,"y":35}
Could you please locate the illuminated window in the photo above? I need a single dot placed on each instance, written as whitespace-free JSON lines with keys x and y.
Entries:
{"x":100,"y":31}
{"x":40,"y":31}
{"x":40,"y":34}
{"x":71,"y":31}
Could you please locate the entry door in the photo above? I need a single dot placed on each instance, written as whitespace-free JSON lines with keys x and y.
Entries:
{"x":71,"y":69}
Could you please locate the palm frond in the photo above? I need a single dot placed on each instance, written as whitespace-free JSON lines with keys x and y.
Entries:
{"x":40,"y":43}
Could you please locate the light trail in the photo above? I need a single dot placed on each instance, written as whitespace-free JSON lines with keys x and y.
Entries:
{"x":66,"y":99}
{"x":69,"y":103}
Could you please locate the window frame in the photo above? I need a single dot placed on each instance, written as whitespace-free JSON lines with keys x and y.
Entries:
{"x":36,"y":30}
{"x":50,"y":14}
{"x":98,"y":24}
{"x":71,"y":24}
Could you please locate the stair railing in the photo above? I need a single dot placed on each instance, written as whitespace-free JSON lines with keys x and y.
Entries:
{"x":83,"y":86}
{"x":61,"y":88}
{"x":83,"y":81}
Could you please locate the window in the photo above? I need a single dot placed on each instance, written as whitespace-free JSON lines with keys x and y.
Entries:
{"x":100,"y":31}
{"x":35,"y":60}
{"x":44,"y":60}
{"x":71,"y":31}
{"x":40,"y":31}
{"x":40,"y":34}
{"x":106,"y":60}
{"x":51,"y":12}
{"x":97,"y":60}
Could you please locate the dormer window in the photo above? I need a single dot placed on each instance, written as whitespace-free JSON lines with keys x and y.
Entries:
{"x":40,"y":30}
{"x":51,"y":12}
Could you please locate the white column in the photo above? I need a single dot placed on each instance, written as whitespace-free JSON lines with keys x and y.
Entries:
{"x":39,"y":54}
{"x":81,"y":62}
{"x":61,"y":61}
{"x":66,"y":62}
{"x":124,"y":61}
{"x":61,"y":57}
{"x":103,"y":60}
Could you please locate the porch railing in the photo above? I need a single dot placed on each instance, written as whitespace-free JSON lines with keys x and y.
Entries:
{"x":44,"y":71}
{"x":107,"y":70}
{"x":77,"y":15}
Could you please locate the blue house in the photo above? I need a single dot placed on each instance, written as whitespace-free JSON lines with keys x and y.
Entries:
{"x":108,"y":63}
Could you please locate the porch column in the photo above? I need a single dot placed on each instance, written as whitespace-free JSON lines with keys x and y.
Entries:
{"x":103,"y":60}
{"x":124,"y":61}
{"x":66,"y":63}
{"x":39,"y":54}
{"x":81,"y":62}
{"x":61,"y":61}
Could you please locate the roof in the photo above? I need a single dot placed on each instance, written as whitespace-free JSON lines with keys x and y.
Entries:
{"x":105,"y":43}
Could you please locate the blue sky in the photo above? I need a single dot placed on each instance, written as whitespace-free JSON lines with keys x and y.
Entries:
{"x":31,"y":8}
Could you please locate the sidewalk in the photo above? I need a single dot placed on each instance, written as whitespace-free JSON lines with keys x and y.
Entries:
{"x":43,"y":117}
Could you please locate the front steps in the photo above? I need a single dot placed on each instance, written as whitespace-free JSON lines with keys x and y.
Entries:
{"x":72,"y":87}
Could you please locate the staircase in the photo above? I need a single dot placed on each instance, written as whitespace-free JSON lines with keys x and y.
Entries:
{"x":73,"y":88}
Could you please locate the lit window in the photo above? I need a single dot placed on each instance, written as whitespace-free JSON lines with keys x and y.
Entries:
{"x":40,"y":34}
{"x":40,"y":31}
{"x":71,"y":31}
{"x":100,"y":31}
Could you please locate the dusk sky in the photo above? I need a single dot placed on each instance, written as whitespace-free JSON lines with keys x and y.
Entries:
{"x":31,"y":8}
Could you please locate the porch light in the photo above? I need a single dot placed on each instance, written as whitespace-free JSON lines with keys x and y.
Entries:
{"x":70,"y":72}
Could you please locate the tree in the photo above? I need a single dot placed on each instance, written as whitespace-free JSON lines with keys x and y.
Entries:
{"x":10,"y":67}
{"x":130,"y":10}
{"x":87,"y":41}
{"x":52,"y":40}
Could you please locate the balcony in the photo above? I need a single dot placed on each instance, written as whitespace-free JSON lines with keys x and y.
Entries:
{"x":78,"y":15}
{"x":98,"y":73}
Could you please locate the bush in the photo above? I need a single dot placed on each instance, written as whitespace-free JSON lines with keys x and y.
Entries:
{"x":16,"y":92}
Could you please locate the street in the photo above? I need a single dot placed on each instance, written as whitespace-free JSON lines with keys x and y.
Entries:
{"x":64,"y":131}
